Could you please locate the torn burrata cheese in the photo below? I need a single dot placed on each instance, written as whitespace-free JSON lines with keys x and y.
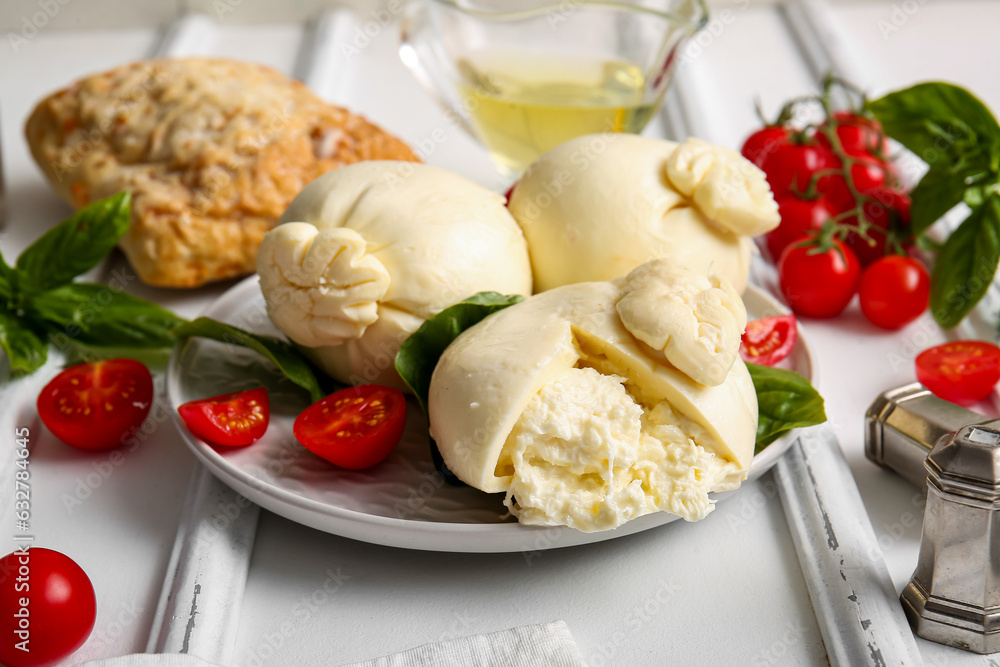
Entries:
{"x":597,"y":206}
{"x":584,"y":432}
{"x":558,"y":404}
{"x":366,"y":253}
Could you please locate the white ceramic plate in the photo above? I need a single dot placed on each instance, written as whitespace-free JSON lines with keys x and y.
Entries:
{"x":400,"y":502}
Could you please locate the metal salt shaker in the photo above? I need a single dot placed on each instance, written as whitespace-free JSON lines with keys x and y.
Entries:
{"x":953,"y":597}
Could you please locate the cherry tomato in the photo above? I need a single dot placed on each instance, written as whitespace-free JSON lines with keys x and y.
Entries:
{"x":799,"y":217}
{"x":763,"y":142}
{"x":791,"y":166}
{"x":961,"y":372}
{"x":353,"y":428}
{"x":509,"y":192}
{"x":859,"y":136}
{"x":869,"y":176}
{"x":820,"y":284}
{"x":768,"y":340}
{"x":889,"y":214}
{"x":97,"y":405}
{"x":48,"y":597}
{"x":230,"y":420}
{"x":894,"y":291}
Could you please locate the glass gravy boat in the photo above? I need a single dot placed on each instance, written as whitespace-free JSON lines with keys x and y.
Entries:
{"x":523,"y":76}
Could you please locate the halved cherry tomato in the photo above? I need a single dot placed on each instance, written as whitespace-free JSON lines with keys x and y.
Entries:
{"x":768,"y":340}
{"x":894,"y":291}
{"x":964,"y":371}
{"x":762,"y":143}
{"x":818,"y":284}
{"x":353,"y":428}
{"x":230,"y":420}
{"x":46,"y":596}
{"x":799,"y":217}
{"x":97,"y":405}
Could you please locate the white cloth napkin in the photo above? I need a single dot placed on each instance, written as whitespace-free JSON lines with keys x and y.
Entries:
{"x":542,"y":645}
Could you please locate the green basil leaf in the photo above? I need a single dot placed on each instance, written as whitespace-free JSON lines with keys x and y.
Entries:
{"x":100,"y":316}
{"x":75,"y":245}
{"x":964,"y":267}
{"x":8,"y":280}
{"x":785,"y":400}
{"x":419,"y":354}
{"x":976,"y":195}
{"x":938,"y":192}
{"x":288,"y":359}
{"x":940,"y":122}
{"x":927,"y":244}
{"x":25,"y":348}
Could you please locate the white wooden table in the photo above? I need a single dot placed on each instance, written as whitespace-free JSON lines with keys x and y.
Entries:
{"x":726,"y":591}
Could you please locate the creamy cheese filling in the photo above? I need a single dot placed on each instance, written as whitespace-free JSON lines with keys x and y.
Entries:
{"x":586,"y":454}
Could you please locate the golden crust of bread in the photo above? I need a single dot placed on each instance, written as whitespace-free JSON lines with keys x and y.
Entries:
{"x":212,"y":151}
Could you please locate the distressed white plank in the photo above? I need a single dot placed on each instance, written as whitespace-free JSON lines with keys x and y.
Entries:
{"x":321,"y":65}
{"x":850,"y":588}
{"x":198,"y":612}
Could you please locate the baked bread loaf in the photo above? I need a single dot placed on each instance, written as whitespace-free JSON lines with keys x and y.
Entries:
{"x":213,"y":151}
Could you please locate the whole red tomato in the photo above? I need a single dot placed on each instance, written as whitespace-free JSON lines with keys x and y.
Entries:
{"x":791,"y":165}
{"x":818,"y":283}
{"x":47,"y":602}
{"x":97,"y":405}
{"x":868,"y":176}
{"x":763,"y":142}
{"x":799,"y":217}
{"x":894,"y":291}
{"x":859,"y":136}
{"x":889,"y":213}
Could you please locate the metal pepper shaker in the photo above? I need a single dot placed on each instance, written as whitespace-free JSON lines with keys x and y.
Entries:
{"x":903,"y":425}
{"x":953,"y":597}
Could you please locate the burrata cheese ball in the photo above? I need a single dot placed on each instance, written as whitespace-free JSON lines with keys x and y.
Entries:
{"x":598,"y":206}
{"x":591,"y":404}
{"x":366,"y":253}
